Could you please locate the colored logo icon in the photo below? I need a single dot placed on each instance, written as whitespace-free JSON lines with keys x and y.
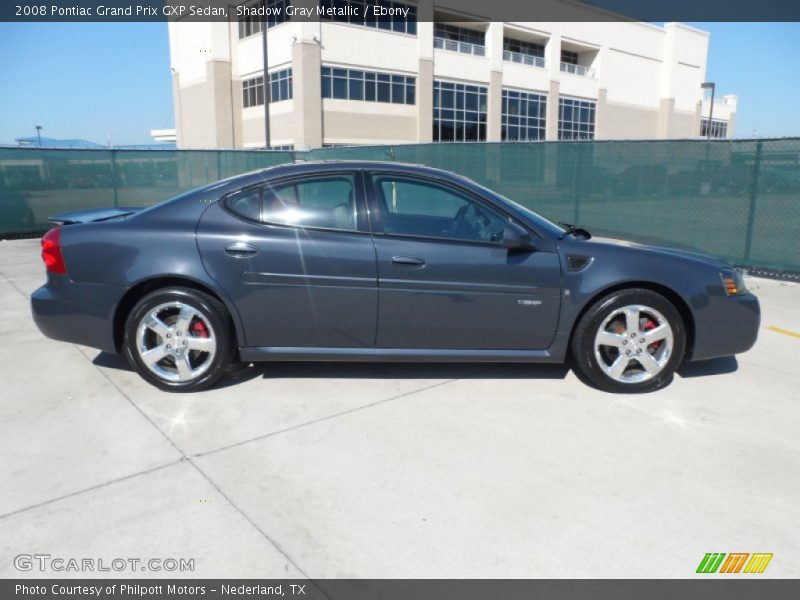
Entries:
{"x":735,"y":562}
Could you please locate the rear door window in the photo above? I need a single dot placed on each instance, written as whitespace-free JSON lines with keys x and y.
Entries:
{"x":246,"y":203}
{"x":326,"y":202}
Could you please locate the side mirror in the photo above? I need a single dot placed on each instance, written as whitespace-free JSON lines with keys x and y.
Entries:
{"x":516,"y":238}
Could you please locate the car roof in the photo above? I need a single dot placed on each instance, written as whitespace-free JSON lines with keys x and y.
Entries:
{"x":257,"y":176}
{"x":321,"y":166}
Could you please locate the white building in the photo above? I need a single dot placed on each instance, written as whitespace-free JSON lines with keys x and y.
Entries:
{"x":163,"y":135}
{"x":439,"y":78}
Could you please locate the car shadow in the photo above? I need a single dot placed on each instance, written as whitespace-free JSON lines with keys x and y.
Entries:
{"x":714,"y":366}
{"x":112,"y":361}
{"x":409,"y":370}
{"x":240,"y":372}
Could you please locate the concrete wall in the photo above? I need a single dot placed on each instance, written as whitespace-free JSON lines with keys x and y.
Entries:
{"x":204,"y":85}
{"x":306,"y":77}
{"x":618,"y":121}
{"x":347,"y":121}
{"x":425,"y":100}
{"x":283,"y":129}
{"x":206,"y":112}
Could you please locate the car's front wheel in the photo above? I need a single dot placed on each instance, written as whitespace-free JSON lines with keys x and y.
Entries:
{"x":179,"y":339}
{"x":630,"y":341}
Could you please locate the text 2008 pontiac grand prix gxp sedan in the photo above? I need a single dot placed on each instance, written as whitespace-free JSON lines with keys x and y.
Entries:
{"x":373,"y":261}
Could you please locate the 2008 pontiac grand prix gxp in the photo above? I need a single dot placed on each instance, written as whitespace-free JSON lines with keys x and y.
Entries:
{"x":374,"y":261}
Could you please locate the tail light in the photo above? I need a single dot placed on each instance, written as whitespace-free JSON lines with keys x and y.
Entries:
{"x":51,"y":252}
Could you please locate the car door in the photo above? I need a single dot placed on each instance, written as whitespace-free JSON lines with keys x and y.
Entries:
{"x":297,"y":260}
{"x":445,"y":281}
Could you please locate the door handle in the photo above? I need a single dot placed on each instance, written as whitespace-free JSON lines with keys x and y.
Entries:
{"x":240,"y":250}
{"x":408,"y":261}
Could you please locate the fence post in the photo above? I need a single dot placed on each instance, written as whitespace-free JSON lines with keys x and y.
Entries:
{"x":576,"y":185}
{"x":219,"y":164}
{"x":114,"y":178}
{"x":753,"y":196}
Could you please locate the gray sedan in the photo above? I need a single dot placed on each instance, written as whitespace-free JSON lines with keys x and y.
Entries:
{"x":374,"y":261}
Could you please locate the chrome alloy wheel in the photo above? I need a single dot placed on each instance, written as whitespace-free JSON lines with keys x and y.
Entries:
{"x":176,"y":342}
{"x":633,"y":344}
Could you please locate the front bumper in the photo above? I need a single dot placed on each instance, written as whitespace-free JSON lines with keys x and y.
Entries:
{"x":725,"y":326}
{"x":79,"y":313}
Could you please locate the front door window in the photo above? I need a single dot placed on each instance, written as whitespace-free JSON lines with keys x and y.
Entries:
{"x":427,"y":209}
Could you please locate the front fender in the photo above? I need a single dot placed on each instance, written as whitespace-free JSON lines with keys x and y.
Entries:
{"x":720,"y":325}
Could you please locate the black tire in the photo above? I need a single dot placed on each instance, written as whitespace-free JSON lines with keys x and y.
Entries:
{"x":211,"y":310}
{"x":583,"y":341}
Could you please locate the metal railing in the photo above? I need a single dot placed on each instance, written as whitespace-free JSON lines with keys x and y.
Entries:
{"x":456,"y":46}
{"x":524,"y":59}
{"x":579,"y":70}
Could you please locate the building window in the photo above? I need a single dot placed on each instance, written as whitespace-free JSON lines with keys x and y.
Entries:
{"x":362,"y":12}
{"x":520,"y":47}
{"x":280,"y":85}
{"x":719,"y":129}
{"x":368,"y":86}
{"x":253,"y":92}
{"x":571,"y":58}
{"x":253,"y":24}
{"x":459,"y":39}
{"x":280,"y":88}
{"x":569,"y":64}
{"x":524,"y":116}
{"x":459,"y":112}
{"x":575,"y":119}
{"x":527,"y":53}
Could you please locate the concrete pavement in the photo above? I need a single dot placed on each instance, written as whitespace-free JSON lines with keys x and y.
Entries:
{"x":347,"y":470}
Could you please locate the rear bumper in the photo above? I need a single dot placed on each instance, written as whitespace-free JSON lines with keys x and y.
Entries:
{"x":79,"y":313}
{"x":726,"y":326}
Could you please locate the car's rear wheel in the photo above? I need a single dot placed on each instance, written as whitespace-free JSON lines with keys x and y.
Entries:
{"x":179,"y":339}
{"x":630,"y":341}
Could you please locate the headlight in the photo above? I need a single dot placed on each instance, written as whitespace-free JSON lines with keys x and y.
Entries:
{"x":733,"y":282}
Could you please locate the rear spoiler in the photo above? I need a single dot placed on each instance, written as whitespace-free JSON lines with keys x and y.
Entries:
{"x":92,"y":215}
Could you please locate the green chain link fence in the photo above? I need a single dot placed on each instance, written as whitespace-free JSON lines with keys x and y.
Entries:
{"x":736,"y":199}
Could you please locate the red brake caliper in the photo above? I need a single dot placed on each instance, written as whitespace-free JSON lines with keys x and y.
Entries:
{"x":199,"y":329}
{"x":648,"y":325}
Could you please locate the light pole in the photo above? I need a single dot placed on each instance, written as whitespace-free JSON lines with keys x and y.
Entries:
{"x":706,"y":85}
{"x":39,"y":134}
{"x":264,"y":53}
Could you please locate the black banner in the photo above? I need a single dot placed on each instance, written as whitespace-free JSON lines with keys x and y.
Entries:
{"x":464,"y":10}
{"x":714,"y":586}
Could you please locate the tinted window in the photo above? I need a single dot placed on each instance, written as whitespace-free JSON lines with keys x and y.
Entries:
{"x":421,"y":208}
{"x":319,"y":202}
{"x":246,"y":203}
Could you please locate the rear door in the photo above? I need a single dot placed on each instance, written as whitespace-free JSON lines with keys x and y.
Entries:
{"x":297,"y":260}
{"x":445,"y":281}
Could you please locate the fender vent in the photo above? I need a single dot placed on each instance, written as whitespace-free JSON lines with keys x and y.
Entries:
{"x":578,"y":263}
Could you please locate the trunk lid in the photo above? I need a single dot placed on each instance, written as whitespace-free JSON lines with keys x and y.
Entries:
{"x":92,"y":215}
